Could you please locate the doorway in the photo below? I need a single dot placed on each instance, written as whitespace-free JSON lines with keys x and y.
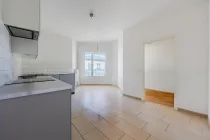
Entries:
{"x":159,"y":72}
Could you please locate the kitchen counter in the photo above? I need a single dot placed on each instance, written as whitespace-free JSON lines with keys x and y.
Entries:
{"x":28,"y":89}
{"x":69,"y":78}
{"x":35,"y":111}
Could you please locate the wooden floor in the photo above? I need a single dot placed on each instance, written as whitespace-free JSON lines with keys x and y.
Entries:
{"x":102,"y":113}
{"x":164,"y":98}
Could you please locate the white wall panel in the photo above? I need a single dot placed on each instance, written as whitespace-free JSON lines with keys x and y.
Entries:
{"x":190,"y":27}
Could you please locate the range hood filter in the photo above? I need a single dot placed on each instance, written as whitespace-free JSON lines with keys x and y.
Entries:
{"x":22,"y":33}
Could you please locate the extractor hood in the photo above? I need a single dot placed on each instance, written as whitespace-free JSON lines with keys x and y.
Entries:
{"x":24,"y":41}
{"x":22,"y":33}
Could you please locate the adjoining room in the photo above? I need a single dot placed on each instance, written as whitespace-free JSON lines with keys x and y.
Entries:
{"x":160,"y":71}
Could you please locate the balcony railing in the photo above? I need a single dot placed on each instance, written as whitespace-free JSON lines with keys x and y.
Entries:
{"x":96,"y":72}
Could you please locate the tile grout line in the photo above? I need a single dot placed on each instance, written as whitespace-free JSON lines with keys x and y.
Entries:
{"x":78,"y":131}
{"x":145,"y":127}
{"x":155,"y":137}
{"x":158,"y":109}
{"x":95,"y":126}
{"x":108,"y":122}
{"x":163,"y":117}
{"x":83,"y":110}
{"x":122,"y":136}
{"x":134,"y":125}
{"x":149,"y":137}
{"x":167,"y":127}
{"x":100,"y":131}
{"x":129,"y":136}
{"x":80,"y":112}
{"x":139,"y":114}
{"x":76,"y":116}
{"x":146,"y":123}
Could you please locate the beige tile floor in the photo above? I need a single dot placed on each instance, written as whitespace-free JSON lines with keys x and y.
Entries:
{"x":103,"y":113}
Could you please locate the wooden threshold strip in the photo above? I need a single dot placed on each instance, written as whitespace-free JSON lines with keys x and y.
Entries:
{"x":160,"y":97}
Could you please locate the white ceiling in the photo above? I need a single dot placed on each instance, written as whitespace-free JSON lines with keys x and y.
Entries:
{"x":71,"y":17}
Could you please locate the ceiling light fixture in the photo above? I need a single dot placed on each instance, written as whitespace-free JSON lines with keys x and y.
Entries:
{"x":91,"y":15}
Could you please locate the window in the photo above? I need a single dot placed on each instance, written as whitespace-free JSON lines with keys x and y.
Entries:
{"x":95,"y":64}
{"x":88,"y":64}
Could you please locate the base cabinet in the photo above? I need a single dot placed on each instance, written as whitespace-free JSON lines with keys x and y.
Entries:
{"x":37,"y":117}
{"x":67,"y":78}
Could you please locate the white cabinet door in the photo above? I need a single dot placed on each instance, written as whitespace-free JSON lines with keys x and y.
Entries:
{"x":24,"y":46}
{"x":22,"y":13}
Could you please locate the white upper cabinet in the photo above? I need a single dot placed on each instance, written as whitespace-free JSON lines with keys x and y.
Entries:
{"x":22,"y":13}
{"x":24,"y":46}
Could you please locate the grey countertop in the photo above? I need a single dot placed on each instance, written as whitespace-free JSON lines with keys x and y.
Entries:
{"x":28,"y":89}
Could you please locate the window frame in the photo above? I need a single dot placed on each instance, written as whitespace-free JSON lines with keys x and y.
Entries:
{"x":92,"y":63}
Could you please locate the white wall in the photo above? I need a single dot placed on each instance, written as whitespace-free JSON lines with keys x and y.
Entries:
{"x":0,"y":9}
{"x":74,"y":54}
{"x":115,"y":63}
{"x":54,"y":55}
{"x":120,"y":61}
{"x":17,"y":66}
{"x":190,"y":28}
{"x":22,"y":13}
{"x":209,"y":71}
{"x":6,"y":73}
{"x":106,"y":47}
{"x":10,"y":64}
{"x":160,"y":66}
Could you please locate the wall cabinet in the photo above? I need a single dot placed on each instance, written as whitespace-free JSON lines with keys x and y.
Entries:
{"x":24,"y":46}
{"x":22,"y":13}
